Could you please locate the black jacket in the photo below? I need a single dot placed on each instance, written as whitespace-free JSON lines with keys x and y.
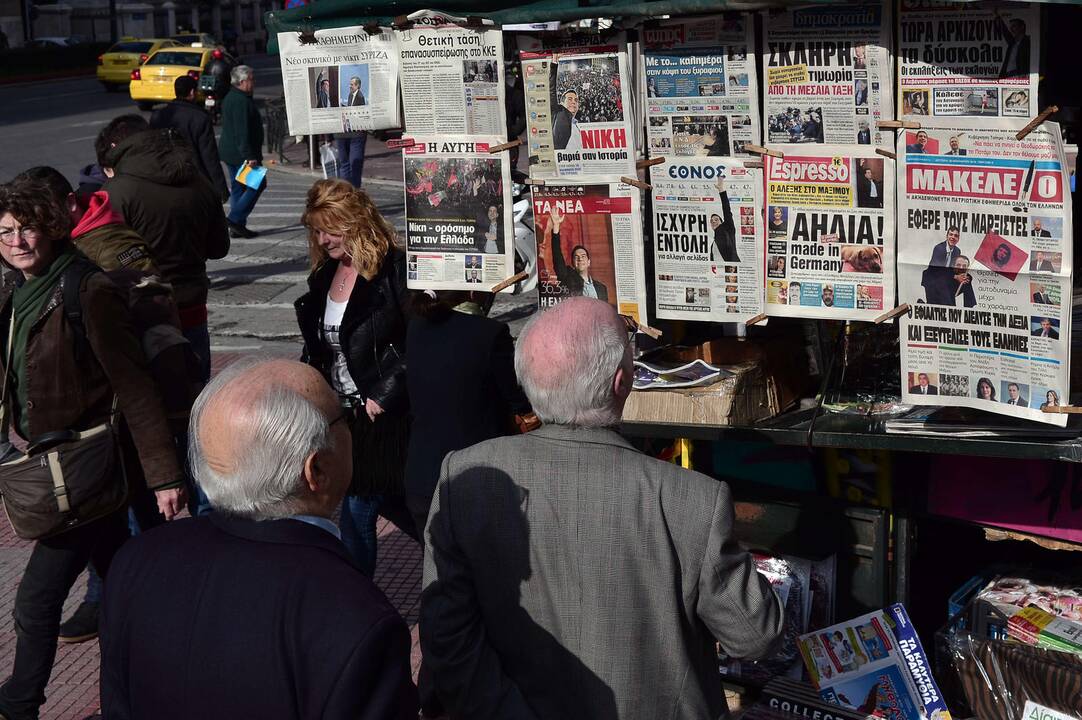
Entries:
{"x":569,"y":277}
{"x":222,"y":617}
{"x":561,"y":128}
{"x":725,"y":234}
{"x":164,"y":198}
{"x":457,"y":398}
{"x":194,"y":125}
{"x":373,"y":331}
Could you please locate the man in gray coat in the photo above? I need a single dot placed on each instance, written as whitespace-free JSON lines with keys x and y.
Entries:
{"x":567,"y":574}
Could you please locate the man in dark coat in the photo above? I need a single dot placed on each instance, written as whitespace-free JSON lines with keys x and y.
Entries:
{"x":257,"y":608}
{"x":564,"y":127}
{"x":155,"y":185}
{"x":241,"y":145}
{"x":193,"y":124}
{"x":577,"y":279}
{"x":869,"y":190}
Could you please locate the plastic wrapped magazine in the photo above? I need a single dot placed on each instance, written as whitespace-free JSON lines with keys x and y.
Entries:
{"x":659,"y":375}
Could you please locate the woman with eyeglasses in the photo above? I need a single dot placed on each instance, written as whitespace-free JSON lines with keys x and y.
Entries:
{"x":353,"y":320}
{"x":60,"y":378}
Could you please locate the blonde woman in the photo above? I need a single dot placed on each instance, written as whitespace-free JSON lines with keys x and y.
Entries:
{"x":353,"y":321}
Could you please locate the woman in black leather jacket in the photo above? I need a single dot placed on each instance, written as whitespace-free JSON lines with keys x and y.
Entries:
{"x":353,"y":321}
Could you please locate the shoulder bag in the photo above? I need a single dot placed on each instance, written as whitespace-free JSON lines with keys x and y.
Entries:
{"x":65,"y":479}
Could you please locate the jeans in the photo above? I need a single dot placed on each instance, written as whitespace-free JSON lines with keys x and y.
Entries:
{"x":241,"y":198}
{"x":358,"y":525}
{"x":55,"y":563}
{"x":351,"y":158}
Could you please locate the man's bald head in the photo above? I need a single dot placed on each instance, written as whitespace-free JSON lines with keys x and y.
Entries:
{"x":253,"y":429}
{"x":567,"y":360}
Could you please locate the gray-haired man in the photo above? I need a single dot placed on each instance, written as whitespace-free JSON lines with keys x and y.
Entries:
{"x":568,"y":575}
{"x":258,"y":606}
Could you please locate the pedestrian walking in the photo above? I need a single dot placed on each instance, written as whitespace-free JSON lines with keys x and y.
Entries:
{"x":566,"y":573}
{"x":350,"y":150}
{"x":241,"y":145}
{"x":353,"y":321}
{"x":63,"y":375}
{"x":193,"y":123}
{"x":257,"y":611}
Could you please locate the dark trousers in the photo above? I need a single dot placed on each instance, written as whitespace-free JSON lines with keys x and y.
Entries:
{"x":351,"y":158}
{"x":55,"y":563}
{"x":242,"y":199}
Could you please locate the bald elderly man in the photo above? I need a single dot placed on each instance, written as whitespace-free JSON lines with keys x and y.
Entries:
{"x":567,"y":575}
{"x":255,"y":611}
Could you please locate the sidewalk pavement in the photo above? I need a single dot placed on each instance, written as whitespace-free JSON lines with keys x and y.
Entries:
{"x":73,"y":692}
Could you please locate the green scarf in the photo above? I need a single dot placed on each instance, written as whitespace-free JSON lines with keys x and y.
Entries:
{"x":28,"y":301}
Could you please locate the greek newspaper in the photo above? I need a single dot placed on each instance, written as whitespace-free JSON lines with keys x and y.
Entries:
{"x":974,"y":59}
{"x":708,"y":234}
{"x":701,"y":93}
{"x":346,"y":81}
{"x":452,"y":77}
{"x":829,"y":233}
{"x":986,"y":265}
{"x":579,"y":115}
{"x":828,"y":74}
{"x":589,"y":242}
{"x":459,"y":230}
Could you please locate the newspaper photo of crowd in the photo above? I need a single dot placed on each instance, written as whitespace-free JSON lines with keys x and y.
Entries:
{"x":700,"y":135}
{"x":797,"y":126}
{"x":480,"y":71}
{"x":596,"y":85}
{"x":458,"y":189}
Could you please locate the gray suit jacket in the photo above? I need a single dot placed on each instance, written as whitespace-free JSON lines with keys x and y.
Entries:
{"x":567,"y":575}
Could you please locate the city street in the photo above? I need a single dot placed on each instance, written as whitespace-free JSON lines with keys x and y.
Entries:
{"x":250,"y":306}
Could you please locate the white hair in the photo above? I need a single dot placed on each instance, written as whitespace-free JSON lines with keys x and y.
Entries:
{"x":583,"y":395}
{"x":282,"y":429}
{"x":240,"y":73}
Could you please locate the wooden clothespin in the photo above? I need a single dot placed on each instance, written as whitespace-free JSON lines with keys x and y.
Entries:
{"x":755,"y":320}
{"x":891,"y":314}
{"x":644,"y":163}
{"x":506,"y":146}
{"x":886,"y":153}
{"x":1032,"y":124}
{"x":760,"y":150}
{"x":1062,"y":409}
{"x":539,"y":182}
{"x":636,"y":183}
{"x":402,"y":22}
{"x":307,"y":34}
{"x":504,"y":284}
{"x":373,"y":29}
{"x":473,"y":21}
{"x":647,"y":330}
{"x":753,"y":164}
{"x":894,"y":124}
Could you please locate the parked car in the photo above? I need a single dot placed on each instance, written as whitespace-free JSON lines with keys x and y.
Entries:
{"x":115,"y":65}
{"x":196,"y":38}
{"x":152,"y":82}
{"x":50,"y":42}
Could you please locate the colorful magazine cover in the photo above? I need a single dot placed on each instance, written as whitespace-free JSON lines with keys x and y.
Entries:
{"x":916,"y":663}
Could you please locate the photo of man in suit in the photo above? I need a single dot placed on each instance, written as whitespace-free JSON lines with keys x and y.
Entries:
{"x":1015,"y":397}
{"x":1040,"y":296}
{"x":489,"y":232}
{"x":955,"y":150}
{"x":864,"y":135}
{"x":1016,"y":57}
{"x":943,"y":286}
{"x":576,"y":279}
{"x":945,"y":253}
{"x":1041,"y":263}
{"x":869,"y":190}
{"x":860,"y":93}
{"x":504,"y":604}
{"x":1038,"y":229}
{"x":923,"y":387}
{"x":323,"y":95}
{"x":565,"y":129}
{"x":1046,"y":330}
{"x":356,"y":97}
{"x":918,"y":146}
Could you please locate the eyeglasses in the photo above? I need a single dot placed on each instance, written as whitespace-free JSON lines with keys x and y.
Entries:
{"x":28,"y":233}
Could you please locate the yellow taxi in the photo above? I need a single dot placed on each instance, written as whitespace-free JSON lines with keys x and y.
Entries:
{"x":152,"y":82}
{"x":116,"y":63}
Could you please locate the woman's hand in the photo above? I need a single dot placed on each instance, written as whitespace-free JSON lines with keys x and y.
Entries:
{"x":373,"y":408}
{"x":171,"y":501}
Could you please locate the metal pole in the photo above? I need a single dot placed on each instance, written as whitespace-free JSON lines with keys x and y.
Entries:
{"x":113,"y":35}
{"x":312,"y":153}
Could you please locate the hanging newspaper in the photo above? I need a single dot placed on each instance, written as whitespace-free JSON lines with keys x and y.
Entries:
{"x":986,"y":265}
{"x":459,"y":229}
{"x":579,"y":116}
{"x":589,"y":242}
{"x":708,"y":232}
{"x":829,"y":233}
{"x":701,"y":93}
{"x":828,"y":75}
{"x":974,"y":59}
{"x":452,"y":76}
{"x":346,"y":81}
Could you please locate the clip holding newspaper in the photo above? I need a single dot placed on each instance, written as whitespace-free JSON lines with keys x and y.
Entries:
{"x":589,"y":243}
{"x":452,"y":76}
{"x":968,"y":59}
{"x":702,"y":98}
{"x":829,"y":233}
{"x":829,"y":74}
{"x":459,"y":230}
{"x":347,"y":81}
{"x":708,"y":235}
{"x":986,"y":266}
